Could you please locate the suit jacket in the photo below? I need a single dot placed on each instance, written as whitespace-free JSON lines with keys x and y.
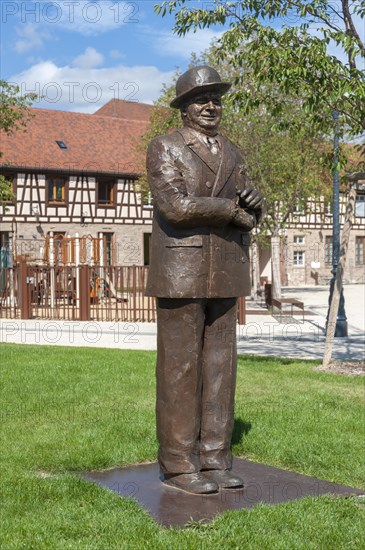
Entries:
{"x":196,"y":250}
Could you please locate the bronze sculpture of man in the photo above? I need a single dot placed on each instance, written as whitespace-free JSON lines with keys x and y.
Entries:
{"x":204,"y":209}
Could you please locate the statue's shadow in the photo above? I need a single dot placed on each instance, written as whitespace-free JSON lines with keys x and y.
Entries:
{"x":240,"y":429}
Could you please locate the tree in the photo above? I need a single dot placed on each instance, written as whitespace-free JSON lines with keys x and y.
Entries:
{"x":14,"y":114}
{"x":303,"y":54}
{"x":287,"y":164}
{"x":284,"y":156}
{"x":162,"y":120}
{"x":310,"y":50}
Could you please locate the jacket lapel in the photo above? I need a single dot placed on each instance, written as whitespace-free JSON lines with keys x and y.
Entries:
{"x":193,"y":142}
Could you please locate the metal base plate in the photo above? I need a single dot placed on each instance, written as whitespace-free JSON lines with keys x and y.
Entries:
{"x":173,"y":507}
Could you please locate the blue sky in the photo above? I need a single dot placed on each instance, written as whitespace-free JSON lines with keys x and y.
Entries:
{"x":79,"y":54}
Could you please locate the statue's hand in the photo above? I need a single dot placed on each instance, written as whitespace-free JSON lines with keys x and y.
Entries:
{"x":251,"y":198}
{"x":245,"y":220}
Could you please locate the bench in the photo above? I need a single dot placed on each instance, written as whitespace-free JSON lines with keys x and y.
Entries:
{"x":280,"y":304}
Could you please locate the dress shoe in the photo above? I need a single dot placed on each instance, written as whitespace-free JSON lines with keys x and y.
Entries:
{"x":224,"y":478}
{"x":192,"y":483}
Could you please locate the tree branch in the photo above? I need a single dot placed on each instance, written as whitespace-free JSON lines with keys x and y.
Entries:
{"x":343,"y":112}
{"x":351,"y":30}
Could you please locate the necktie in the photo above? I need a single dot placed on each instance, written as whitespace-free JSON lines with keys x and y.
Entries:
{"x":213,"y":144}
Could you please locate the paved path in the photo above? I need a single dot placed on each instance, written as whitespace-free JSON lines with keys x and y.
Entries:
{"x":266,"y":336}
{"x":262,"y":334}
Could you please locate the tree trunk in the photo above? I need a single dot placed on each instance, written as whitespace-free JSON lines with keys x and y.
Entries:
{"x":255,"y":269}
{"x":332,"y":316}
{"x":275,"y":267}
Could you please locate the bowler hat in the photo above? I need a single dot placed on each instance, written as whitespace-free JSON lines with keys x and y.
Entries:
{"x":197,"y":80}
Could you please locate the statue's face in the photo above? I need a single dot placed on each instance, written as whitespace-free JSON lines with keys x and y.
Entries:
{"x":203,"y":112}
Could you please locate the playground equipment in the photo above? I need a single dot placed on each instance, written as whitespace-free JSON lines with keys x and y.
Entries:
{"x":111,"y":292}
{"x":101,"y":287}
{"x":60,"y":250}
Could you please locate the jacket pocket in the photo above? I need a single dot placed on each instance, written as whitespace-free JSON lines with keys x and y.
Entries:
{"x":191,"y":240}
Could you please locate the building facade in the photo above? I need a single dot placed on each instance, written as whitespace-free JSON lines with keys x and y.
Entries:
{"x":76,"y":200}
{"x":306,"y":245}
{"x":74,"y":180}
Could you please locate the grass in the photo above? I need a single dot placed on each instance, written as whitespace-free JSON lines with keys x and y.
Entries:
{"x":70,"y":409}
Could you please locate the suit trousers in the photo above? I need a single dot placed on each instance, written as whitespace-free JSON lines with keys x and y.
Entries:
{"x":196,"y":379}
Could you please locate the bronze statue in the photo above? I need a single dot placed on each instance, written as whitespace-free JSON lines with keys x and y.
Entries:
{"x":204,"y":208}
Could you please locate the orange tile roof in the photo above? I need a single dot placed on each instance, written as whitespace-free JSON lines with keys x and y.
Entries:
{"x":126,"y":109}
{"x":95,"y":143}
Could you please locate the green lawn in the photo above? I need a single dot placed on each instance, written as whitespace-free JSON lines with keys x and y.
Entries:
{"x":70,"y":409}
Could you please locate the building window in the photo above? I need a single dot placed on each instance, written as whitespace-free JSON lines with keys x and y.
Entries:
{"x":298,"y":209}
{"x":108,"y":248}
{"x":106,"y":192}
{"x":4,"y":253}
{"x":56,"y":189}
{"x":328,"y":208}
{"x":148,"y":200}
{"x":61,"y":144}
{"x":298,"y":239}
{"x":360,"y":205}
{"x":147,"y":248}
{"x":360,"y":251}
{"x":8,"y":195}
{"x":59,"y":248}
{"x":58,"y":253}
{"x":328,"y":250}
{"x":298,"y":257}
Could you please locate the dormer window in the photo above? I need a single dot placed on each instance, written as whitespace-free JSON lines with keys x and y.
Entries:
{"x":61,"y":144}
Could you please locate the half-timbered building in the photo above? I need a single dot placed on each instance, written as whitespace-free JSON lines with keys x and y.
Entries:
{"x":74,"y":180}
{"x":306,"y":244}
{"x":76,"y":201}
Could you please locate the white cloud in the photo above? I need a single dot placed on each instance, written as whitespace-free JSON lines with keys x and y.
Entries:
{"x":90,"y":17}
{"x":116,"y":54}
{"x":86,"y":89}
{"x":86,"y":17}
{"x":170,"y":44}
{"x":89,"y":59}
{"x":31,"y":38}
